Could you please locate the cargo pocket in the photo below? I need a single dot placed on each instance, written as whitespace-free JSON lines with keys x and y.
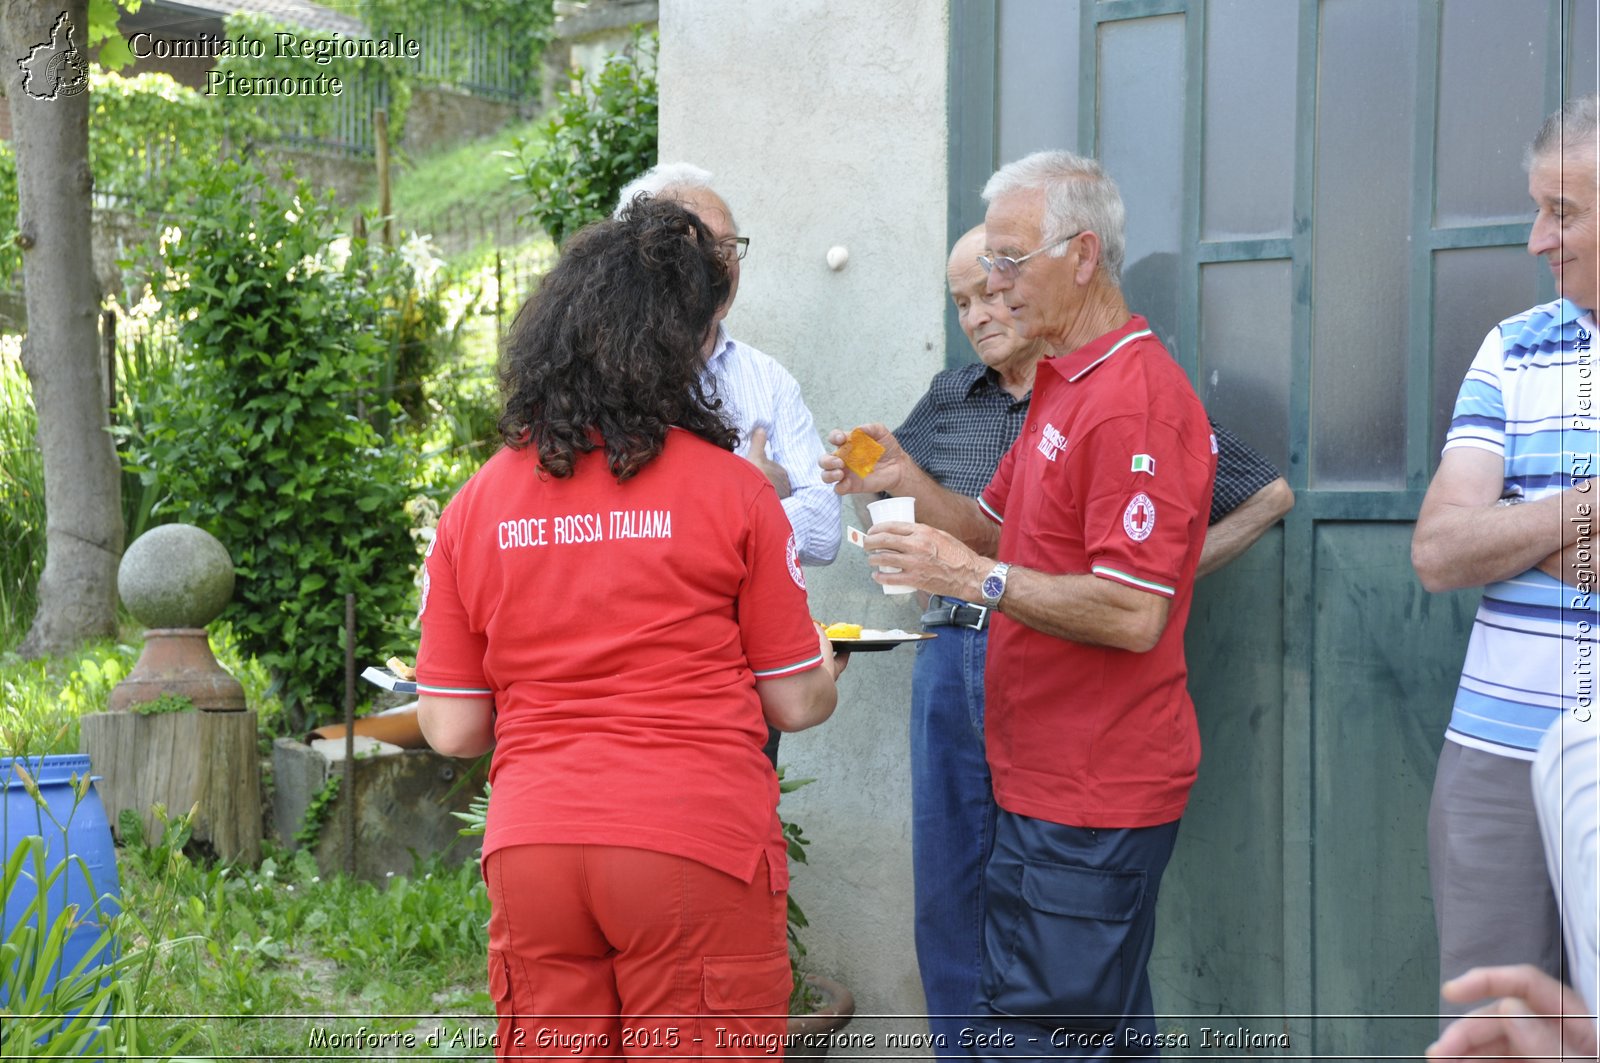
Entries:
{"x":746,"y":985}
{"x":1068,"y":955}
{"x":512,"y":1039}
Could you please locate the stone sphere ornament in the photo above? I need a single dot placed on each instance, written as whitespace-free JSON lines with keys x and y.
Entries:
{"x":176,"y":576}
{"x":176,"y":579}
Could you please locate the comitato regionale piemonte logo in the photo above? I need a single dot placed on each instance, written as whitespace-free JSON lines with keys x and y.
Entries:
{"x":55,"y":68}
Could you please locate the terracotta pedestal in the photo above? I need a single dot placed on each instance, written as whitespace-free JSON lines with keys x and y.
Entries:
{"x":178,"y":660}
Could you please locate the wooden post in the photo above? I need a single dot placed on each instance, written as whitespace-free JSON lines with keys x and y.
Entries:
{"x":228,"y":790}
{"x":181,"y":760}
{"x":348,"y":797}
{"x":143,"y":761}
{"x":499,"y":302}
{"x":108,"y":343}
{"x":380,"y":128}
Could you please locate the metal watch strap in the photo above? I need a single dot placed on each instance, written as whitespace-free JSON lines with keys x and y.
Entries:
{"x":996,"y":576}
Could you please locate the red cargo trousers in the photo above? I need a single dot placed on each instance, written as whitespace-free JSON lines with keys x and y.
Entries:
{"x":612,"y":951}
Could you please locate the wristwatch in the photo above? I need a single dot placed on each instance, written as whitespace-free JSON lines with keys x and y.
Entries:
{"x":994,"y":585}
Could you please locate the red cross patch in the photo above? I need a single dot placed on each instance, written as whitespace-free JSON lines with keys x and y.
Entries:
{"x":1139,"y":519}
{"x":792,"y":556}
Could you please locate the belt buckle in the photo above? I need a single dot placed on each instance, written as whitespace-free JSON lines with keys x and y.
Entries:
{"x":983,"y":616}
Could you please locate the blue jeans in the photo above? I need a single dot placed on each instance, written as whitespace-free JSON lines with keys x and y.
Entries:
{"x":952,"y":825}
{"x":1072,"y":918}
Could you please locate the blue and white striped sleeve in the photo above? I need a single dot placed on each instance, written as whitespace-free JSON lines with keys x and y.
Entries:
{"x":1479,"y":420}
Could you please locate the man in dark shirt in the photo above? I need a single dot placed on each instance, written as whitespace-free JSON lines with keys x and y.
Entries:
{"x":957,"y":433}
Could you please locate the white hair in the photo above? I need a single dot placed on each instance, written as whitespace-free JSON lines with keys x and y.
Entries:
{"x":1569,"y":130}
{"x":1078,"y":194}
{"x":661,"y":178}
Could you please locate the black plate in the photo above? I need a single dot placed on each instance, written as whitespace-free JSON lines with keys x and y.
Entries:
{"x":878,"y":645}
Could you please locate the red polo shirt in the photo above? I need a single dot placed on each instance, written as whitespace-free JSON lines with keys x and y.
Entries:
{"x":621,"y":629}
{"x":1112,"y":476}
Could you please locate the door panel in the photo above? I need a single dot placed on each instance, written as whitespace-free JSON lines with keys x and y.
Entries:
{"x":1326,"y":213}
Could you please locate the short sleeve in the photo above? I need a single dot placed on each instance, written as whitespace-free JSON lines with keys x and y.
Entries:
{"x":1479,"y":420}
{"x":450,"y":656}
{"x":775,"y":625}
{"x":993,"y":499}
{"x":1241,"y":472}
{"x":1147,"y":493}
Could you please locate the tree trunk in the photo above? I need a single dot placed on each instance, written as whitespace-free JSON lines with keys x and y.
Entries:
{"x":46,"y":82}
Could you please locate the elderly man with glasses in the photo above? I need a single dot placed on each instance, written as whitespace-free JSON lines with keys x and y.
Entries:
{"x":957,"y":433}
{"x":761,"y":399}
{"x":1084,"y":546}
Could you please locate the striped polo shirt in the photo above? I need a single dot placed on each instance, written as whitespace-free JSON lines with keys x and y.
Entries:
{"x":1530,"y":396}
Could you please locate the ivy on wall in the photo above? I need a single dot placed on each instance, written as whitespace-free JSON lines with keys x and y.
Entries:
{"x":450,"y":32}
{"x":311,"y":109}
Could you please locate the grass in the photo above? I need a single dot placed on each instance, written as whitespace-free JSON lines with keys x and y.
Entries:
{"x":467,"y":181}
{"x":283,"y":962}
{"x":260,"y":962}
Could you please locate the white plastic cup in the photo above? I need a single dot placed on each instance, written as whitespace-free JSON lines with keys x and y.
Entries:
{"x":893,"y":509}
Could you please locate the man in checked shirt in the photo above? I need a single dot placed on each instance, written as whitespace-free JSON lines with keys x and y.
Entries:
{"x":957,"y":433}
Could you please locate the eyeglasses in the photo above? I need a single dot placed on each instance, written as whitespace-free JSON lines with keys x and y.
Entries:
{"x":1008,"y":267}
{"x":734,"y":248}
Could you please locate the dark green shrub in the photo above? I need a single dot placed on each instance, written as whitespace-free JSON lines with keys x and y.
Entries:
{"x":265,"y":439}
{"x":601,"y":134}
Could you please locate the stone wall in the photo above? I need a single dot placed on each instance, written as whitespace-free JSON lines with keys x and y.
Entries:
{"x":439,"y":117}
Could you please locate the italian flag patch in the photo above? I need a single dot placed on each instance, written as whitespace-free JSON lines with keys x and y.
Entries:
{"x":1144,"y":463}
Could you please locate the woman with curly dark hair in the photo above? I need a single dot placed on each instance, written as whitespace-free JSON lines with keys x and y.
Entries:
{"x":615,"y":606}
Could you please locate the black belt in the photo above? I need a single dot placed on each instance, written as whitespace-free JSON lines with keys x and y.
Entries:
{"x":953,"y":612}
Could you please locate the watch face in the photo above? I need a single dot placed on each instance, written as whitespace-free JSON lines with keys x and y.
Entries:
{"x":993,"y":587}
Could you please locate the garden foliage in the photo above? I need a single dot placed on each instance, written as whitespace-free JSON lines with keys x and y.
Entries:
{"x":148,"y":133}
{"x":601,"y":134}
{"x":451,"y":30}
{"x":21,"y":492}
{"x":91,"y":1007}
{"x":266,"y":438}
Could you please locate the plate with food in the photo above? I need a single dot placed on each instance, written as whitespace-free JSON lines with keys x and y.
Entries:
{"x":395,"y":675}
{"x":853,"y":638}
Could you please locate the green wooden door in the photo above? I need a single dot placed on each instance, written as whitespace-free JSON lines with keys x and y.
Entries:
{"x":1326,"y":214}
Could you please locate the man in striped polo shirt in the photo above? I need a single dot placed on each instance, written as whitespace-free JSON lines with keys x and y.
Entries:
{"x":1512,"y":509}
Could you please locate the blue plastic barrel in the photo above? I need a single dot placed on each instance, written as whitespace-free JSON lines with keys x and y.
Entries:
{"x":70,"y":827}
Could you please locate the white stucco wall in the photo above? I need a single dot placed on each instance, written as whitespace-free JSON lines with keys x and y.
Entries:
{"x":824,"y":122}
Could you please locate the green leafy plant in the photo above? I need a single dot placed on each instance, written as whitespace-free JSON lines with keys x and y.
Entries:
{"x":270,"y":445}
{"x":476,"y":817}
{"x":147,"y":133}
{"x":93,"y":1006}
{"x":264,"y":944}
{"x":317,"y":812}
{"x":164,"y":703}
{"x":21,"y":485}
{"x":802,"y":1000}
{"x":601,"y":134}
{"x":44,"y":698}
{"x":454,"y":32}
